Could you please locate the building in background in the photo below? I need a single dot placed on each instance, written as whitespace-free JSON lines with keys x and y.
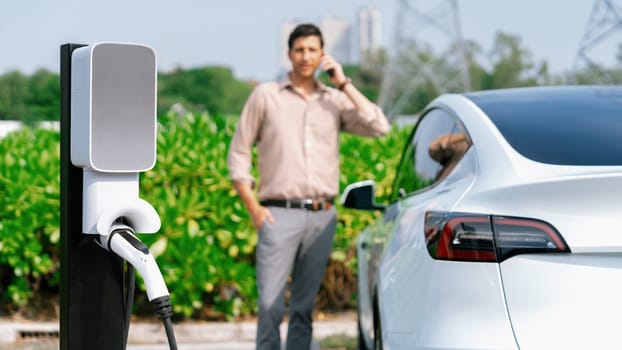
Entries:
{"x":337,"y":34}
{"x":368,"y":32}
{"x":339,"y":40}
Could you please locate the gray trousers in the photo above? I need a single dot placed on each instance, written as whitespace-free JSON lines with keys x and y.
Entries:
{"x":298,"y":242}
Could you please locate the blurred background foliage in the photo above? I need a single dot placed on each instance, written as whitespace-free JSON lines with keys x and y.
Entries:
{"x":206,"y":245}
{"x":29,"y":215}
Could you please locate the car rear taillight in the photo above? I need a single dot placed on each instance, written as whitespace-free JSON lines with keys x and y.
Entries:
{"x":473,"y":237}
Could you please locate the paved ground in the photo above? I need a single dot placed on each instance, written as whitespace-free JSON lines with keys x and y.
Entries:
{"x":212,"y":346}
{"x":24,"y":335}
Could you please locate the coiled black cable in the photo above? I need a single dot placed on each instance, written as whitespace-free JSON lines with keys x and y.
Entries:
{"x":163,"y":310}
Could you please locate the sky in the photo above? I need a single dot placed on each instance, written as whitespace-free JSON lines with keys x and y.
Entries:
{"x":244,"y":34}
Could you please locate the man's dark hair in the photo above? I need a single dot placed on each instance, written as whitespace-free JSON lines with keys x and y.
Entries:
{"x":302,"y":30}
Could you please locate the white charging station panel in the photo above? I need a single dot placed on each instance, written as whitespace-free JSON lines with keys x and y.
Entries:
{"x":113,"y":107}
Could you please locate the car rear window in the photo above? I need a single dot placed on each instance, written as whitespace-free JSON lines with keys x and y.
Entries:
{"x":565,"y":126}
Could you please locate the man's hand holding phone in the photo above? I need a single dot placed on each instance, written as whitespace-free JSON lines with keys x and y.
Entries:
{"x":334,"y":71}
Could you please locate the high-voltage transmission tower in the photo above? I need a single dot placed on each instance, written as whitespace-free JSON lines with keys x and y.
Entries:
{"x":604,"y":24}
{"x":423,"y":27}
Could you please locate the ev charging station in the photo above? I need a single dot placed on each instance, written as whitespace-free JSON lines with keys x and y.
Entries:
{"x":108,"y":136}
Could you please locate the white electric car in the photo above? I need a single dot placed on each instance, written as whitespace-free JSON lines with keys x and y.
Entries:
{"x":504,"y":230}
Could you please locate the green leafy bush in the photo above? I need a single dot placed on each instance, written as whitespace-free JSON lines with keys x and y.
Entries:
{"x":29,"y":214}
{"x":206,"y":245}
{"x":362,"y":159}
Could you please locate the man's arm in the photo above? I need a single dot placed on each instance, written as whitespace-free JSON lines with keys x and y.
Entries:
{"x":446,"y":146}
{"x":363,"y":105}
{"x":365,"y":118}
{"x":239,"y":157}
{"x":258,"y":212}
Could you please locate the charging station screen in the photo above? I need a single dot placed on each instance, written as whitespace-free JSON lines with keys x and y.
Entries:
{"x":123,"y":111}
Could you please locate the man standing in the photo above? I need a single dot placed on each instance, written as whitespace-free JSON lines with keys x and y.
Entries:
{"x":295,"y":124}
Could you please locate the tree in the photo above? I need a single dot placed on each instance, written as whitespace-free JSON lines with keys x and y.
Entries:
{"x":43,"y":102}
{"x":30,"y":98}
{"x":477,"y":73}
{"x":13,"y":96}
{"x":413,"y":78}
{"x":213,"y":89}
{"x":512,"y":64}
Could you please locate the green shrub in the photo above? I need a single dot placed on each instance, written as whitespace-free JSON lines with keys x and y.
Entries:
{"x":206,"y":245}
{"x":29,"y":213}
{"x":361,"y":159}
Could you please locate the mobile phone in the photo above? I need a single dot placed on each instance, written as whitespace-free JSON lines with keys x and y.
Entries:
{"x":330,"y":72}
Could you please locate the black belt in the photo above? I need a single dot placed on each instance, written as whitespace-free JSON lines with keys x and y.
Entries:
{"x":309,"y":204}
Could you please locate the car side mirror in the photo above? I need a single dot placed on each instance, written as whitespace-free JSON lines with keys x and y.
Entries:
{"x":361,"y":195}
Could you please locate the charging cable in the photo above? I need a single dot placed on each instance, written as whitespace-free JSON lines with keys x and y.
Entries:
{"x":125,"y":244}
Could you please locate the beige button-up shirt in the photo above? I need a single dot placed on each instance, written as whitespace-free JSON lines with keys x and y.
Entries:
{"x":297,"y":139}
